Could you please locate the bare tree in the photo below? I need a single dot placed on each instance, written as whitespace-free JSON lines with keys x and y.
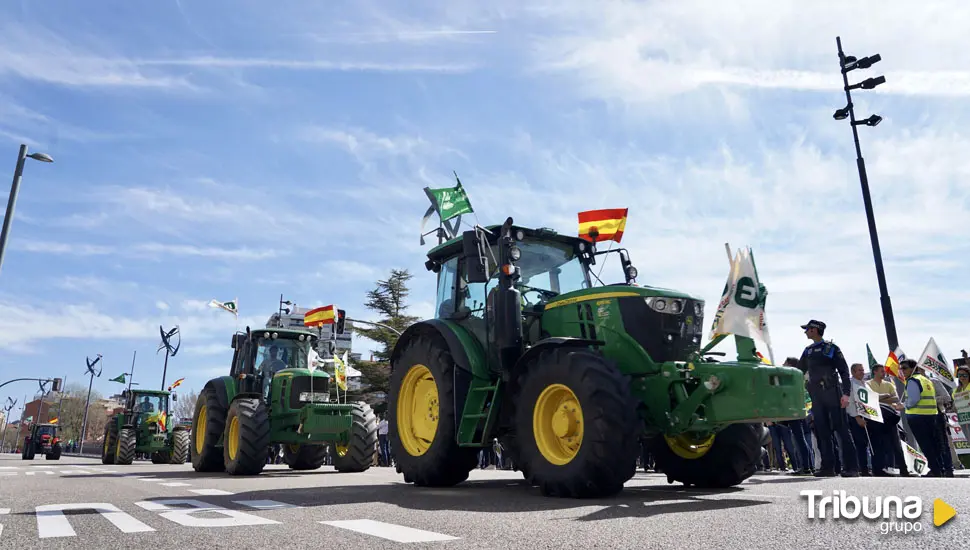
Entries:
{"x":184,"y":408}
{"x":71,"y":414}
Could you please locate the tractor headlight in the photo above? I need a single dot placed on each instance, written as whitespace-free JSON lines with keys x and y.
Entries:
{"x":515,"y":253}
{"x":699,"y":309}
{"x":672,"y":306}
{"x":631,"y":272}
{"x":676,"y":306}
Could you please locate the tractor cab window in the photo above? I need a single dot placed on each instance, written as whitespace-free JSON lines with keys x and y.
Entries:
{"x":445,"y":305}
{"x":148,"y":406}
{"x":273,"y":356}
{"x":45,"y":430}
{"x":550,"y":267}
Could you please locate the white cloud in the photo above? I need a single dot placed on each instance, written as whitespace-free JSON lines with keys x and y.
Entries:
{"x":162,"y":305}
{"x":305,"y":65}
{"x":149,"y":251}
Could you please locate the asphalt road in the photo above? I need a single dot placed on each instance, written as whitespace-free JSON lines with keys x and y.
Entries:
{"x":150,"y":506}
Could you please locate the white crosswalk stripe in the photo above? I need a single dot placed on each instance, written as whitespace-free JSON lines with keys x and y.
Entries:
{"x":389,"y":531}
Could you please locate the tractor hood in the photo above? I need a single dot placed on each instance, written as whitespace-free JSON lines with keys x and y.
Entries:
{"x":660,"y":297}
{"x":318,"y":373}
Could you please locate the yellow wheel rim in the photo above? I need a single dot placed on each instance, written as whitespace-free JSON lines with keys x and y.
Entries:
{"x":200,"y":429}
{"x":232,"y":438}
{"x":417,"y":410}
{"x":557,"y":424}
{"x":104,"y":449}
{"x":689,"y":447}
{"x":341,"y":449}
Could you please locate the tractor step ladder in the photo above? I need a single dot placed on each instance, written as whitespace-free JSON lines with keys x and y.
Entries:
{"x":477,"y":424}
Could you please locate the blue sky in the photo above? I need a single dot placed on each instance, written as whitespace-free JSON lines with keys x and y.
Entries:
{"x":237,"y":150}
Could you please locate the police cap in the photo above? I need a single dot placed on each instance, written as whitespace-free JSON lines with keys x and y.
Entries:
{"x":815,"y":324}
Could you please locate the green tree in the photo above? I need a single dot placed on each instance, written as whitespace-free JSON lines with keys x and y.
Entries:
{"x":389,"y":301}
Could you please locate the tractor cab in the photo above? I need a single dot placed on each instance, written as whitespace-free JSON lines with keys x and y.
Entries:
{"x":147,"y":410}
{"x":261,"y":356}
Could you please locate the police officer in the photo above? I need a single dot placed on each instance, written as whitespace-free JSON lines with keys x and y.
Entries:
{"x":829,"y":386}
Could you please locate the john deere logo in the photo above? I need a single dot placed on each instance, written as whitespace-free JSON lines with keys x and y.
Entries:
{"x":747,"y":293}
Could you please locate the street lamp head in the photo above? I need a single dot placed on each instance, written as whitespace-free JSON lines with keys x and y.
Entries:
{"x":43,"y":157}
{"x":850,"y":62}
{"x":842,"y":113}
{"x":871,"y":83}
{"x":873,"y":120}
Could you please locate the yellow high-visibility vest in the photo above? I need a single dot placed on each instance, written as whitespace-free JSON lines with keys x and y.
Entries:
{"x":927,"y":398}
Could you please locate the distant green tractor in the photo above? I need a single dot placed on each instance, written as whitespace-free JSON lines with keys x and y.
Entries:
{"x":569,"y":376}
{"x":144,"y":426}
{"x":42,"y":439}
{"x":270,"y":397}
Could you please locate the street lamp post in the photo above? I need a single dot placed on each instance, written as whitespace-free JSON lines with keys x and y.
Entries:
{"x":14,"y":190}
{"x":850,"y":63}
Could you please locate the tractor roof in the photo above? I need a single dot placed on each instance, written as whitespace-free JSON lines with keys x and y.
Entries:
{"x":453,"y":247}
{"x":283,"y":333}
{"x":46,"y":424}
{"x":149,"y":392}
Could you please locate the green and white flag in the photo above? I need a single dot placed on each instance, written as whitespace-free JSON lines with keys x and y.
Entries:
{"x":119,"y":378}
{"x":448,"y":202}
{"x":741,"y":310}
{"x":866,"y":402}
{"x":933,"y":361}
{"x":232,"y":306}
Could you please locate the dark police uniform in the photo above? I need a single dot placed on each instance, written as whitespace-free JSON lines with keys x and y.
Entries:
{"x":828,"y":381}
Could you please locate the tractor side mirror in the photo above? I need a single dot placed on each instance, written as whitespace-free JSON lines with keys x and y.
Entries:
{"x":175,"y":397}
{"x":475,"y":270}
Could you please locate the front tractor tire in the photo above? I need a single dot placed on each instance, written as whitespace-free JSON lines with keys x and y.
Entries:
{"x":54,"y":453}
{"x":180,"y":447}
{"x":304,"y":457}
{"x":358,"y":455}
{"x":422,"y":418}
{"x":247,"y":437}
{"x":208,"y":425}
{"x":727,"y":460}
{"x":576,"y":425}
{"x":110,"y":442}
{"x":125,"y":451}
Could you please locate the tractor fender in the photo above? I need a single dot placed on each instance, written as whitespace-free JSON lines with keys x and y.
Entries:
{"x":463,"y":346}
{"x":224,"y":388}
{"x":553,"y":342}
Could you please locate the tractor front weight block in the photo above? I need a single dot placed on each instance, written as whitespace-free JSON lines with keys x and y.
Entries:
{"x":324,"y":422}
{"x":727,"y":393}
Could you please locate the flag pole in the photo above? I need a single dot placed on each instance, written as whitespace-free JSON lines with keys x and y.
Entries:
{"x":131,"y":375}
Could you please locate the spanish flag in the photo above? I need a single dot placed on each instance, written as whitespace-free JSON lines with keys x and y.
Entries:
{"x":326,"y":315}
{"x":52,"y":420}
{"x":892,"y":365}
{"x":602,"y":225}
{"x":175,"y":384}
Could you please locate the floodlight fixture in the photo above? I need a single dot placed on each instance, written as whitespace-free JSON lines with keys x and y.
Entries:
{"x":873,"y":120}
{"x":841,"y":114}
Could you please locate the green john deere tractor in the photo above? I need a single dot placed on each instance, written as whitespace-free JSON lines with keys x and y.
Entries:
{"x":270,"y":397}
{"x":570,"y":376}
{"x":144,"y":426}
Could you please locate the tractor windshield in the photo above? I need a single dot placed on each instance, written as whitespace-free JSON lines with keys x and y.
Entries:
{"x":150,"y":408}
{"x":45,"y":430}
{"x":551,"y":266}
{"x":279,"y":354}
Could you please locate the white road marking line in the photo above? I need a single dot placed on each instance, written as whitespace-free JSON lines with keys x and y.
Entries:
{"x":265,"y":504}
{"x":52,"y":523}
{"x":147,"y":479}
{"x":46,"y":467}
{"x":48,"y":472}
{"x":389,"y":531}
{"x":8,"y":473}
{"x":231,"y":518}
{"x":176,"y":484}
{"x":210,"y":492}
{"x":4,"y":511}
{"x":75,"y":472}
{"x":9,"y":468}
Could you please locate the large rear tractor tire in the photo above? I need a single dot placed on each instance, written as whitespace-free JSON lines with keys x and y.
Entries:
{"x":576,"y":425}
{"x":304,"y":457}
{"x":358,"y":455}
{"x":726,"y":460}
{"x":180,"y":447}
{"x":55,"y":452}
{"x":246,"y":446}
{"x":422,"y":416}
{"x":125,"y":451}
{"x":208,"y":426}
{"x":110,"y":442}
